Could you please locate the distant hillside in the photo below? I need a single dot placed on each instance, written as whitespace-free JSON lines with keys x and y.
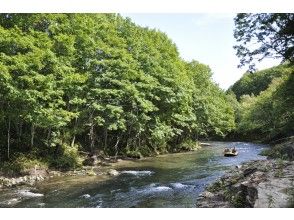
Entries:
{"x":254,"y":83}
{"x":268,"y":114}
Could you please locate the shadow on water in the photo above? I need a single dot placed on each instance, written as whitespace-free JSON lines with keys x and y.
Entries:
{"x":173,"y":180}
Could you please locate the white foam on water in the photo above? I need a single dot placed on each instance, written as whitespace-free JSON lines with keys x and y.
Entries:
{"x":115,"y":191}
{"x":85,"y":196}
{"x":178,"y":185}
{"x":99,"y":204}
{"x":161,"y":188}
{"x":152,"y":185}
{"x":155,"y":189}
{"x":27,"y":193}
{"x":13,"y":201}
{"x":138,"y":172}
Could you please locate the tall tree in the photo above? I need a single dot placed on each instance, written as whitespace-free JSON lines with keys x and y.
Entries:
{"x":264,"y":35}
{"x":100,"y":82}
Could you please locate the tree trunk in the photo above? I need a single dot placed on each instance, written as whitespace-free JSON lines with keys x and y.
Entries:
{"x":116,"y":147}
{"x":105,"y":139}
{"x":19,"y":133}
{"x":91,"y":133}
{"x":32,"y":135}
{"x":92,"y":137}
{"x":92,"y":140}
{"x":74,"y":136}
{"x":73,"y":141}
{"x":8,"y":138}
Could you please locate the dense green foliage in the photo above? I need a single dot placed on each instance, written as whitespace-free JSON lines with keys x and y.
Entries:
{"x":269,"y":115}
{"x":98,"y":82}
{"x":266,"y":98}
{"x":264,"y":35}
{"x":254,"y":83}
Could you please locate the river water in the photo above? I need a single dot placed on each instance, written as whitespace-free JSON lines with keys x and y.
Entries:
{"x":172,"y":180}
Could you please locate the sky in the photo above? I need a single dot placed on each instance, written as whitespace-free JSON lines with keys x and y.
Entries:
{"x":205,"y":37}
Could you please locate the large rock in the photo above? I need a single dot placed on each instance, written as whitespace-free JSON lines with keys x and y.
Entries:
{"x":262,"y":184}
{"x":207,"y":194}
{"x":250,"y":193}
{"x":113,"y":172}
{"x":249,"y":171}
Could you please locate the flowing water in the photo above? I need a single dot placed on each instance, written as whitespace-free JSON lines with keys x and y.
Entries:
{"x":172,"y":180}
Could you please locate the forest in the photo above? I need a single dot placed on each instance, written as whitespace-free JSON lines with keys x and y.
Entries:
{"x":101,"y":84}
{"x":264,"y":110}
{"x":98,"y":82}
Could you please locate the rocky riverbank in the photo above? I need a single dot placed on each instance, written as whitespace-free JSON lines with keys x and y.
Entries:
{"x":93,"y":165}
{"x":39,"y":174}
{"x":258,"y":184}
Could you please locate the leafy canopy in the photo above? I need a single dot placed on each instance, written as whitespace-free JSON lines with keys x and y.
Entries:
{"x":264,"y":35}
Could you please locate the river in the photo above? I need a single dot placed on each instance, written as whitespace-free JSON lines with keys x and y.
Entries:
{"x":172,"y":180}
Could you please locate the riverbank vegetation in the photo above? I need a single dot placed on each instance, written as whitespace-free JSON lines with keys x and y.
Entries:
{"x":264,"y":111}
{"x":263,"y":103}
{"x":101,"y":84}
{"x":98,"y":84}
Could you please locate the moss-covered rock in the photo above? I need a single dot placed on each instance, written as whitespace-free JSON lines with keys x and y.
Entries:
{"x":284,"y":151}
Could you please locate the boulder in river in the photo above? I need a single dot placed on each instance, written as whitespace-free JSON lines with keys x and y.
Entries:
{"x":113,"y":172}
{"x":205,"y":144}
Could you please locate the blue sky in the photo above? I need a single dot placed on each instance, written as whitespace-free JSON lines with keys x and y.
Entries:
{"x":207,"y":38}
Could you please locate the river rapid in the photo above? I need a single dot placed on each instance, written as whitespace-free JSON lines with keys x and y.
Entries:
{"x":171,"y":180}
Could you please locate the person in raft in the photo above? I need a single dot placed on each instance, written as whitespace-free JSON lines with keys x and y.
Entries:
{"x":234,"y":150}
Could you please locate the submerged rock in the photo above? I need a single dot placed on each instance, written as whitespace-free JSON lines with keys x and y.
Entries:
{"x":85,"y":196}
{"x":27,"y":193}
{"x":12,"y":201}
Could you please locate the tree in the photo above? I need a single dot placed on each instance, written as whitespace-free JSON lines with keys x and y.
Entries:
{"x":276,"y":103}
{"x":100,"y":82}
{"x":214,"y":115}
{"x":264,"y":35}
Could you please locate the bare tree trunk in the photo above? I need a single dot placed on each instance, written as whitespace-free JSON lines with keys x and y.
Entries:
{"x":91,"y":133}
{"x":74,"y":137}
{"x":73,"y":141}
{"x":19,"y":132}
{"x":8,"y":138}
{"x":116,"y":147}
{"x":105,"y":139}
{"x":32,"y":135}
{"x":92,"y":140}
